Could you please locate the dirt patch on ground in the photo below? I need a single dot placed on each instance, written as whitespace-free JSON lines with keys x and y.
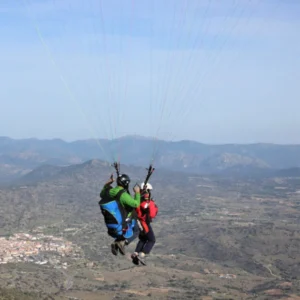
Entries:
{"x":90,"y":295}
{"x":161,"y":290}
{"x":292,"y":297}
{"x":274,"y":292}
{"x":139,"y":293}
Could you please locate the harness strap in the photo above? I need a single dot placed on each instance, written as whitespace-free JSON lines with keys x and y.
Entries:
{"x":122,"y":209}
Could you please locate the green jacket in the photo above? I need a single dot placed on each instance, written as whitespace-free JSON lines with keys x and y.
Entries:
{"x":128,"y":202}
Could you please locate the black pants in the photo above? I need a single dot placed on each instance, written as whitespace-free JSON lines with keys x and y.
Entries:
{"x":146,"y":241}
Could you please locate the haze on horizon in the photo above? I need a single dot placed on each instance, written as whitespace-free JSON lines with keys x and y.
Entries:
{"x":211,"y":71}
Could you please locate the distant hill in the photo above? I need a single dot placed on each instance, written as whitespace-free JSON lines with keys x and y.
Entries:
{"x":95,"y":170}
{"x":291,"y":172}
{"x":18,"y":157}
{"x":79,"y":183}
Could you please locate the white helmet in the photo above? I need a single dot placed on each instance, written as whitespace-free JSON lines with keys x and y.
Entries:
{"x":148,"y":186}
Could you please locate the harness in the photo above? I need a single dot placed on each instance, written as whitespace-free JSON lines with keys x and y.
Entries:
{"x":115,"y":215}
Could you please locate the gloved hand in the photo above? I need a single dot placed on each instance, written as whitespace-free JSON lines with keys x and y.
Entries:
{"x":110,"y":181}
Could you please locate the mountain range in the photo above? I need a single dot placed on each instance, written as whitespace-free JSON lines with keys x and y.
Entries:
{"x":20,"y":156}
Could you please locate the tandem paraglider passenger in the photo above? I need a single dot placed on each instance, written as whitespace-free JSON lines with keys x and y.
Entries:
{"x":118,"y":209}
{"x":146,"y":212}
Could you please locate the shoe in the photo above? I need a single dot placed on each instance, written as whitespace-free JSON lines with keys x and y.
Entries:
{"x":114,"y":248}
{"x":135,"y":259}
{"x":121,"y":246}
{"x":141,"y":257}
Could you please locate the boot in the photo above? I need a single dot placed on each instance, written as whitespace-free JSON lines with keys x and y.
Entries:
{"x":114,"y":248}
{"x":141,"y":258}
{"x":135,"y":259}
{"x":121,"y":246}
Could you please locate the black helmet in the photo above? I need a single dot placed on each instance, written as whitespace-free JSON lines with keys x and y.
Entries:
{"x":123,"y":180}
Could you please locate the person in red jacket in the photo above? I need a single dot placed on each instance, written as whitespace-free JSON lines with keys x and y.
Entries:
{"x":146,"y":236}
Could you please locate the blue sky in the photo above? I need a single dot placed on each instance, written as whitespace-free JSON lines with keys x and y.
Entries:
{"x":213,"y":71}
